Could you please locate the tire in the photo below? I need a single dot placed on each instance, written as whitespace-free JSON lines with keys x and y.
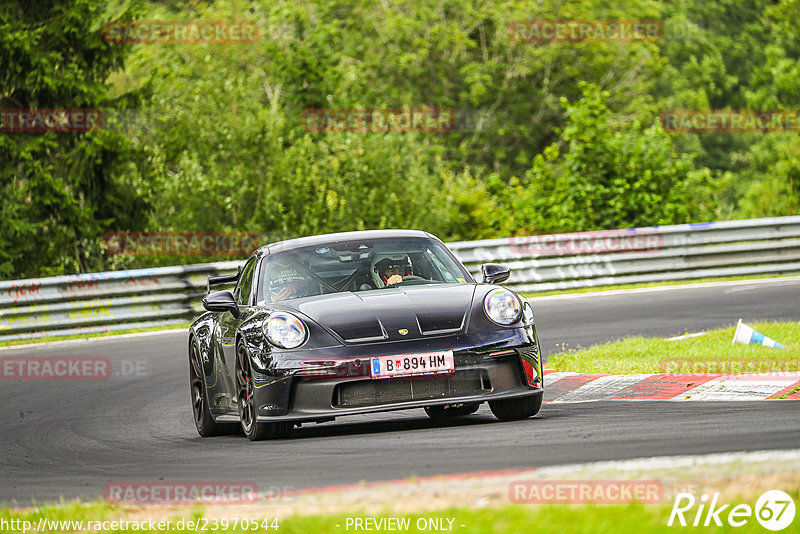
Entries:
{"x":254,"y":430}
{"x":203,"y":422}
{"x":515,"y":409}
{"x":441,"y":413}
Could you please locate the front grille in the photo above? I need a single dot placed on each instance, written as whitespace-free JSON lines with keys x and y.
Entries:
{"x":389,"y":390}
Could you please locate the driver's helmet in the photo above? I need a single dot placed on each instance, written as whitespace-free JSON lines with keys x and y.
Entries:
{"x":386,"y":265}
{"x":286,"y":274}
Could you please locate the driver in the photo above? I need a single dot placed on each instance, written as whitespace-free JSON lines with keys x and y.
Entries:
{"x":286,"y":281}
{"x":390,"y":269}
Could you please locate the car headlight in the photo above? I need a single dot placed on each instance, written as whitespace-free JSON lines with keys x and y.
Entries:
{"x":503,"y":307}
{"x":284,"y":330}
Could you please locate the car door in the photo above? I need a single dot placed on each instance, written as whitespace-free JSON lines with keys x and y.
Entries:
{"x":228,"y":323}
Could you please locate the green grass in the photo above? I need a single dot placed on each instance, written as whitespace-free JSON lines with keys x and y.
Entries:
{"x":595,"y":289}
{"x":564,"y":519}
{"x":511,"y":519}
{"x":92,"y":335}
{"x":710,"y":353}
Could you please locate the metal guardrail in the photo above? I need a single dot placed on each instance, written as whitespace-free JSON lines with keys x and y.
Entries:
{"x":102,"y":302}
{"x":639,"y":255}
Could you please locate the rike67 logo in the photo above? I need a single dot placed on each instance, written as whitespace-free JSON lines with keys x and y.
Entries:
{"x":774,"y":510}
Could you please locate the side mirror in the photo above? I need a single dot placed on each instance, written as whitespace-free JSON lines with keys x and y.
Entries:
{"x":221,"y":301}
{"x":494,"y":273}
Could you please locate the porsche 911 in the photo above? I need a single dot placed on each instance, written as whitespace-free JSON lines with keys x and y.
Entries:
{"x":328,"y":326}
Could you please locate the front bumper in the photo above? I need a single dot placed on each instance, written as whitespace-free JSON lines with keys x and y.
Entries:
{"x":320,"y":387}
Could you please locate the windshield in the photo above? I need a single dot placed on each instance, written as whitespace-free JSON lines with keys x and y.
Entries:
{"x":362,"y":265}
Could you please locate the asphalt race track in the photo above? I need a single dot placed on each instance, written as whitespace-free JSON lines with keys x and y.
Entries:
{"x":70,"y":438}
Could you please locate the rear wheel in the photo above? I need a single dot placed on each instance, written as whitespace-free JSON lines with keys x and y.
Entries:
{"x":513,"y":409}
{"x":205,"y":424}
{"x":254,"y":430}
{"x":445,"y":413}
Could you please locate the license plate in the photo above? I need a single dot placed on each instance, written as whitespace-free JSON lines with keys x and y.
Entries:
{"x":427,"y":363}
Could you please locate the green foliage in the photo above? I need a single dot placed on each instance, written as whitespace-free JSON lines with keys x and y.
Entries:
{"x":774,"y":186}
{"x":57,"y":192}
{"x":569,"y":136}
{"x":250,"y":165}
{"x":604,"y":174}
{"x":734,"y":54}
{"x":770,"y":183}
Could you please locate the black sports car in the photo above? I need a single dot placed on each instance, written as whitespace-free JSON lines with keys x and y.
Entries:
{"x":341,"y":324}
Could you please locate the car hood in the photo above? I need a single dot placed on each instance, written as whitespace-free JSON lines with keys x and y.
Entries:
{"x":393,"y":313}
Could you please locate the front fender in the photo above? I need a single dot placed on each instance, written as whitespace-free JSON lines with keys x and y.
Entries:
{"x":201,"y":333}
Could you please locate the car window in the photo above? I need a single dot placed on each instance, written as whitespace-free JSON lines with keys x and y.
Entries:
{"x":245,"y":286}
{"x":444,"y":272}
{"x":362,"y":265}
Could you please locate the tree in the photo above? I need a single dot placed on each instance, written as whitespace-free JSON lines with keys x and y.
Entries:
{"x":603,"y":174}
{"x":58,"y":190}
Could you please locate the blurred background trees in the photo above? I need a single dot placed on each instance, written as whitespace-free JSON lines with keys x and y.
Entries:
{"x":566,"y":136}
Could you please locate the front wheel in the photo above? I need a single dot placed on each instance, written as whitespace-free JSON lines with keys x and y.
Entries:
{"x":514,"y":409}
{"x":254,"y":430}
{"x":205,"y":424}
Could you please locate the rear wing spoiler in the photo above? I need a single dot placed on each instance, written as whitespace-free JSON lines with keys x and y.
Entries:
{"x":222,"y":279}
